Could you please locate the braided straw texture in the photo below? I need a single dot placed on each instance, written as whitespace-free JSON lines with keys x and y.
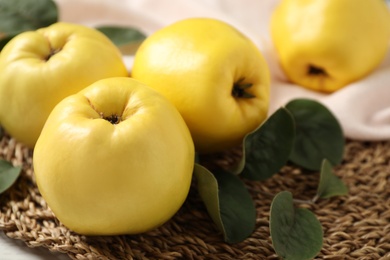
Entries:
{"x":356,"y":226}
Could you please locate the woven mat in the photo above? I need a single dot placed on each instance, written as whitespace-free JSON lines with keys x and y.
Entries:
{"x":356,"y":226}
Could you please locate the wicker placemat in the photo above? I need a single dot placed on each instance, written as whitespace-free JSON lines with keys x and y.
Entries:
{"x":356,"y":226}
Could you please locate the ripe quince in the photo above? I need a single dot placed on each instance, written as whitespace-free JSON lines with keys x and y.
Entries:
{"x":215,"y":76}
{"x":40,"y":68}
{"x":115,"y":158}
{"x":324,"y":45}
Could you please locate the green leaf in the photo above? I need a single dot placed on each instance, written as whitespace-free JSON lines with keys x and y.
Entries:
{"x":318,"y":135}
{"x":128,"y":39}
{"x":122,"y":35}
{"x":296,"y":233}
{"x":268,"y":148}
{"x":8,"y":175}
{"x":228,"y":203}
{"x":330,"y":185}
{"x":17,"y":16}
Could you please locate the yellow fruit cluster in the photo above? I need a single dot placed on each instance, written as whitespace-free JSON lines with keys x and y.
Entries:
{"x":114,"y":154}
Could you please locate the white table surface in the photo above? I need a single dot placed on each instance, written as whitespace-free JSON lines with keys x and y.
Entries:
{"x":12,"y":249}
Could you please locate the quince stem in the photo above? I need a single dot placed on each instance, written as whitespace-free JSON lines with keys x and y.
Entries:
{"x":52,"y":53}
{"x":239,"y":89}
{"x":316,"y":71}
{"x":113,"y":119}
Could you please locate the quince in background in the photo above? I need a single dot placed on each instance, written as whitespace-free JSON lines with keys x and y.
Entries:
{"x":115,"y":158}
{"x":214,"y":75}
{"x":326,"y":44}
{"x":40,"y":68}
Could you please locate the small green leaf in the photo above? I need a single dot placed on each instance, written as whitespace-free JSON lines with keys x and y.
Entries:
{"x":296,"y":233}
{"x":8,"y":175}
{"x":318,"y":135}
{"x":122,"y":35}
{"x":17,"y":16}
{"x":268,"y":148}
{"x":228,"y":203}
{"x":330,"y":185}
{"x":126,"y":39}
{"x":208,"y":190}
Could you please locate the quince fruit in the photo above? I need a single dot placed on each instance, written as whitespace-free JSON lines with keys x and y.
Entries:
{"x":214,"y":75}
{"x":324,"y":45}
{"x":40,"y":68}
{"x":115,"y":158}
